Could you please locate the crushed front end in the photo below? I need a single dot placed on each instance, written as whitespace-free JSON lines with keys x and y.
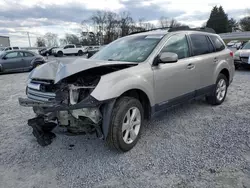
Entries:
{"x":67,"y":103}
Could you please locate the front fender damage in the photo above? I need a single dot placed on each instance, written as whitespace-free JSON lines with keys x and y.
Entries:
{"x":69,"y":104}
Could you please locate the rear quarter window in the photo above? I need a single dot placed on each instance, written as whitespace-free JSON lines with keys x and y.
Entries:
{"x":218,"y":44}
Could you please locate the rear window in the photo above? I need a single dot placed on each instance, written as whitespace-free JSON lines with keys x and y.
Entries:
{"x":200,"y":45}
{"x":217,"y":43}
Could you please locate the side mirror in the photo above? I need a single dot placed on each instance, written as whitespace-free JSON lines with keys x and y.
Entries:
{"x":4,"y":58}
{"x":166,"y":57}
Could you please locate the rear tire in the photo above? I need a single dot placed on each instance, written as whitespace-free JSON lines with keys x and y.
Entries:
{"x":80,"y":53}
{"x":126,"y":124}
{"x":219,"y":92}
{"x":59,"y":54}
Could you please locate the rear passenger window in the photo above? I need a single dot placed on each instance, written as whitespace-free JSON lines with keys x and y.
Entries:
{"x":217,"y":43}
{"x":177,"y":44}
{"x":200,"y":45}
{"x":27,"y":54}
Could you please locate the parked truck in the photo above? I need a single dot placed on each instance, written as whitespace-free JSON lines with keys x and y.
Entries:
{"x":70,"y":49}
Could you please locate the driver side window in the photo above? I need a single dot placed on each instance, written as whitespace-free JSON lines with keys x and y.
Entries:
{"x":177,"y":44}
{"x":11,"y":55}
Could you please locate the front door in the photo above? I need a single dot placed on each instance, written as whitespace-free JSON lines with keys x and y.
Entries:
{"x":69,"y":49}
{"x":13,"y":61}
{"x":175,"y":82}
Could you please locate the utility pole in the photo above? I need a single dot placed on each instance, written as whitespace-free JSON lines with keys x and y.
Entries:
{"x":29,"y":38}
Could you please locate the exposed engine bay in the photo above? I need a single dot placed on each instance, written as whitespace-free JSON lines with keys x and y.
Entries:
{"x":67,"y":103}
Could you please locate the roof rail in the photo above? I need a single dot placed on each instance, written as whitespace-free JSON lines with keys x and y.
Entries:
{"x":186,"y":28}
{"x":159,"y":28}
{"x":180,"y":28}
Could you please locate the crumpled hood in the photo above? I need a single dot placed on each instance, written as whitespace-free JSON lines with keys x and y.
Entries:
{"x":243,"y":52}
{"x":56,"y":71}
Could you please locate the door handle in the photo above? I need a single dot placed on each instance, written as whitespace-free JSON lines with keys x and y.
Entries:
{"x":190,"y":66}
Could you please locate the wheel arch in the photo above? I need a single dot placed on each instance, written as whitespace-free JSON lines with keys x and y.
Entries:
{"x":226,"y":73}
{"x":142,"y":97}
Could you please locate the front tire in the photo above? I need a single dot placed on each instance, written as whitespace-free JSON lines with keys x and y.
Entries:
{"x":126,"y":123}
{"x":220,"y":91}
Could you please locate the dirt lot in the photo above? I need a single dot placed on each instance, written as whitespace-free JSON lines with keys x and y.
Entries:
{"x":193,"y":145}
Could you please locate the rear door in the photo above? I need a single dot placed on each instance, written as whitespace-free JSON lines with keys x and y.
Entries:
{"x":28,"y":57}
{"x":13,"y":61}
{"x":203,"y":54}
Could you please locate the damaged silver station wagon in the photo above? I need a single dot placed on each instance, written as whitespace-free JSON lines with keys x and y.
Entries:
{"x":126,"y":82}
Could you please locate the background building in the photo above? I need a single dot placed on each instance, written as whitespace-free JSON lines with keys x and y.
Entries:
{"x":4,"y":41}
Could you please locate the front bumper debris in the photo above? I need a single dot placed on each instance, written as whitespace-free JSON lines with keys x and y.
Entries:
{"x":42,"y":130}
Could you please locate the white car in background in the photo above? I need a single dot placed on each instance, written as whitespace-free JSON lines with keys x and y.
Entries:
{"x":70,"y":49}
{"x":232,"y":43}
{"x":8,"y":49}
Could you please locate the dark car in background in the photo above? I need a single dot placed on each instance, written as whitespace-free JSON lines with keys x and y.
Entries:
{"x":47,"y":51}
{"x":19,"y":60}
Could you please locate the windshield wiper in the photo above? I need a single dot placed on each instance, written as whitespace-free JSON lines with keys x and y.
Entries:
{"x":110,"y":59}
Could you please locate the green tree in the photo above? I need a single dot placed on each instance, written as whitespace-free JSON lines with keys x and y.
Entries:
{"x":218,"y":20}
{"x":245,"y":23}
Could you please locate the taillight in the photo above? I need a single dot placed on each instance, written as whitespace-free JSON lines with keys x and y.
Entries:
{"x":231,"y":54}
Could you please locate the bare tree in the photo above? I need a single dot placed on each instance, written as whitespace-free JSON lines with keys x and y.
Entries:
{"x":164,"y":22}
{"x":174,"y":23}
{"x":51,"y":39}
{"x":72,"y":39}
{"x":63,"y":42}
{"x":111,"y":27}
{"x":40,"y":42}
{"x":125,"y":23}
{"x":99,"y":19}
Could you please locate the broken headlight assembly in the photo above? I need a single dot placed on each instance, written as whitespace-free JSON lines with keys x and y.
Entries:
{"x":81,"y":88}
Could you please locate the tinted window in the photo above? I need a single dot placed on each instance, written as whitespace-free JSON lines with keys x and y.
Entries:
{"x":68,"y":46}
{"x":27,"y":54}
{"x":78,"y":46}
{"x":210,"y":45}
{"x":217,"y":43}
{"x":71,"y":46}
{"x":177,"y":44}
{"x":15,"y":48}
{"x":200,"y":45}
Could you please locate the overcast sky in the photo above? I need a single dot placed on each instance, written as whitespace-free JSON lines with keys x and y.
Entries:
{"x":17,"y":17}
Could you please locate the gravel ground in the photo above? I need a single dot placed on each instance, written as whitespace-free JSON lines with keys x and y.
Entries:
{"x":193,"y":145}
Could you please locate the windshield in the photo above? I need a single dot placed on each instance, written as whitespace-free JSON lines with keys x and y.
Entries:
{"x":130,"y":49}
{"x":246,"y":46}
